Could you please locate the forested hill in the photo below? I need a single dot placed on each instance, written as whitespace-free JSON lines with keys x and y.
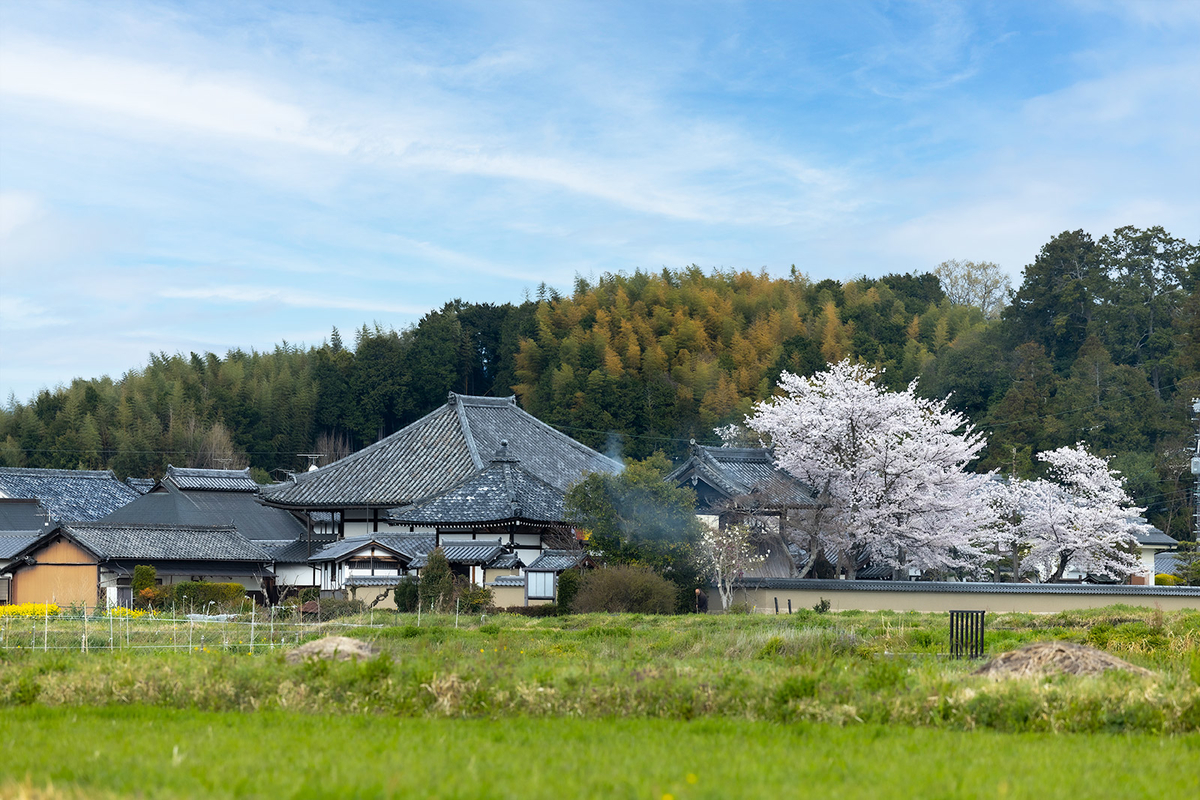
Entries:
{"x":1100,"y":343}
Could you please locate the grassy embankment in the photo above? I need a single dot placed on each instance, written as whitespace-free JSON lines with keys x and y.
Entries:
{"x":845,"y":668}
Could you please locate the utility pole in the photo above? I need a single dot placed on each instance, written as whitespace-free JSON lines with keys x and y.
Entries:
{"x":1196,"y":471}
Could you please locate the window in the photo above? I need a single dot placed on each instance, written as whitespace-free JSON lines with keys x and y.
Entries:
{"x":541,"y":585}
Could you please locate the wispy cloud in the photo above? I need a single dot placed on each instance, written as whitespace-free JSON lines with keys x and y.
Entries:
{"x":229,"y":293}
{"x":179,"y":176}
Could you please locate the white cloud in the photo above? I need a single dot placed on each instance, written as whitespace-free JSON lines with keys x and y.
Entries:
{"x":233,"y":293}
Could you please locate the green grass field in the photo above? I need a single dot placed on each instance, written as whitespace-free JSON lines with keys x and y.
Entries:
{"x":153,"y":752}
{"x":849,"y":704}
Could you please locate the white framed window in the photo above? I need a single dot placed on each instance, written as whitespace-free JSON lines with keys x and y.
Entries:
{"x":540,"y":584}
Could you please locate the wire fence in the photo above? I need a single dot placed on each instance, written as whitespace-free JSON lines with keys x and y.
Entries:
{"x":108,"y":629}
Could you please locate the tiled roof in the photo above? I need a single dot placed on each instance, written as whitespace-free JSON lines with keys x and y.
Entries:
{"x":557,"y":560}
{"x":508,"y":580}
{"x":409,"y":545}
{"x":744,"y":473}
{"x":13,"y":542}
{"x":168,"y":505}
{"x":165,"y":542}
{"x":68,"y":494}
{"x":1166,"y":563}
{"x":22,"y":515}
{"x":1148,"y":535}
{"x":218,"y":480}
{"x":477,"y":553}
{"x":141,"y":485}
{"x":376,"y":580}
{"x":438,"y":452}
{"x":503,"y":491}
{"x":297,"y":552}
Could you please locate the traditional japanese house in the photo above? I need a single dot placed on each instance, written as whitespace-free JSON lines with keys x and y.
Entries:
{"x":92,"y":563}
{"x":422,"y":462}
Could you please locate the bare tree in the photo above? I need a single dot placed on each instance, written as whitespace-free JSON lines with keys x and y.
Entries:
{"x":333,"y":446}
{"x":982,"y":284}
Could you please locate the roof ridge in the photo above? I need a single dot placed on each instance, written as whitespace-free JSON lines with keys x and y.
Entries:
{"x":357,"y":455}
{"x":51,"y":472}
{"x":468,"y":434}
{"x":578,"y":445}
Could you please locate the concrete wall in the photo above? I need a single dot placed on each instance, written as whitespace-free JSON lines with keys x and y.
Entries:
{"x":1035,"y":598}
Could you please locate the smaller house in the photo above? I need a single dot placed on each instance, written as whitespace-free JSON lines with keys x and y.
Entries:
{"x":215,"y":497}
{"x":1151,"y":544}
{"x":541,"y":577}
{"x":743,"y":485}
{"x":370,"y":565}
{"x":92,"y":563}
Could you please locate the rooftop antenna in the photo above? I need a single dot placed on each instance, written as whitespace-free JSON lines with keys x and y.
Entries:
{"x":313,"y":458}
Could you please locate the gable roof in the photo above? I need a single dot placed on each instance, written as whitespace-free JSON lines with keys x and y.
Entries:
{"x":742,"y":472}
{"x":502,"y":491}
{"x":476,"y":552}
{"x":436,"y":453}
{"x":70,"y":494}
{"x":158,"y":542}
{"x":141,"y":485}
{"x":22,"y":515}
{"x":168,"y":505}
{"x":557,"y":560}
{"x":13,"y":542}
{"x":213,"y":480}
{"x":408,"y":545}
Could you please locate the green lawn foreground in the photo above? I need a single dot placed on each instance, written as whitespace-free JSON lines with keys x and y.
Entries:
{"x":155,"y":752}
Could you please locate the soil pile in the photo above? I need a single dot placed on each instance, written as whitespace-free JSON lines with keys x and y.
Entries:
{"x":1055,"y":658}
{"x":337,"y":648}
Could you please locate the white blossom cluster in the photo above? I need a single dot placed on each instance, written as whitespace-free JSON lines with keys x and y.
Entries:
{"x":890,"y":473}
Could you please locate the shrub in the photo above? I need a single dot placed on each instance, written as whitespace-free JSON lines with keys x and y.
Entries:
{"x":1163,"y":579}
{"x":406,"y":595}
{"x":547,"y":610}
{"x":311,"y":593}
{"x":822,"y":606}
{"x":472,"y":599}
{"x":199,"y":594}
{"x":437,"y":582}
{"x":144,"y":577}
{"x":625,"y":588}
{"x":568,"y":588}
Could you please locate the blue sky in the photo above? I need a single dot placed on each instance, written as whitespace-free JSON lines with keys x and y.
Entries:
{"x":202,"y":176}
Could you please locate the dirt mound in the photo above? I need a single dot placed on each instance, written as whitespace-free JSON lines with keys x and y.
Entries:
{"x":337,"y":648}
{"x":1054,"y":658}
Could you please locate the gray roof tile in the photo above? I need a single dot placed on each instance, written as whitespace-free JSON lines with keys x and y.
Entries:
{"x":557,"y":560}
{"x":744,"y":472}
{"x":22,"y":515}
{"x":409,"y":545}
{"x":13,"y":542}
{"x":165,"y":542}
{"x":68,"y":494}
{"x":219,"y":480}
{"x":503,"y":491}
{"x":436,"y":453}
{"x":168,"y":505}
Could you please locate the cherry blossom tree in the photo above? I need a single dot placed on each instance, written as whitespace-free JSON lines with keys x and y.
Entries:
{"x":889,"y":469}
{"x":728,"y":553}
{"x":1081,"y":518}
